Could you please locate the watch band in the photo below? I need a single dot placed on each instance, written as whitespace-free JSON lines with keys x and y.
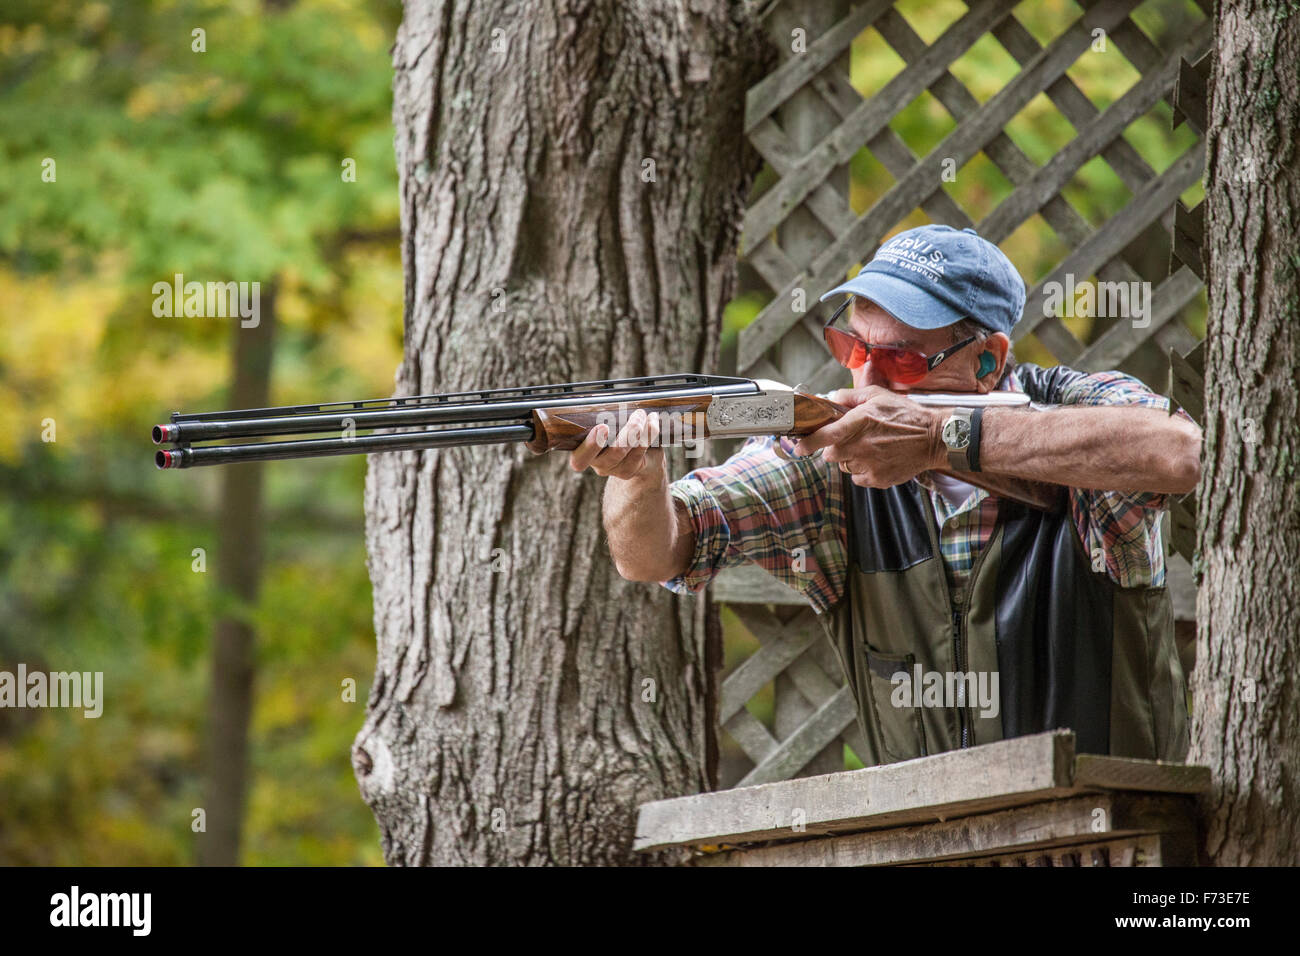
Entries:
{"x":973,"y":452}
{"x":957,"y":438}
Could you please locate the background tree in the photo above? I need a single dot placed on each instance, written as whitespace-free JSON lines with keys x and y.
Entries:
{"x":571,"y":187}
{"x":142,"y":140}
{"x":1246,"y":719}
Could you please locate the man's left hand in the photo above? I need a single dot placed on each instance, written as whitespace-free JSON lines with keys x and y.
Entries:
{"x":885,"y":439}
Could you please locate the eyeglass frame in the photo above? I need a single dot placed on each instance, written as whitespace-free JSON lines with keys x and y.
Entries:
{"x":931,"y":361}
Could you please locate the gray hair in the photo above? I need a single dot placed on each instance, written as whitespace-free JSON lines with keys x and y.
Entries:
{"x":967,"y":327}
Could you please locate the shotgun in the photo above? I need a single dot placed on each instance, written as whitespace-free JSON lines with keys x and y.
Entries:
{"x":543,"y":418}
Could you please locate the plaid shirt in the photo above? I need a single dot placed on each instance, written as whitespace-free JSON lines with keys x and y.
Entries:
{"x":788,"y":516}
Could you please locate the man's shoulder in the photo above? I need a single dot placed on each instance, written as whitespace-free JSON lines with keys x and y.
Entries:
{"x":1062,"y":385}
{"x":1047,"y":386}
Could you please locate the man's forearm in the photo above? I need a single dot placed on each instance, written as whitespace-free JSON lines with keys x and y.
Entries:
{"x":1112,"y":448}
{"x":650,"y":536}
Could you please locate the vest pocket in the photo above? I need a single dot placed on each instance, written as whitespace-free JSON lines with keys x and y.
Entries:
{"x":898,"y":714}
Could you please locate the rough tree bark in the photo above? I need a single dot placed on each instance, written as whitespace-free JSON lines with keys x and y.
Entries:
{"x":1246,"y":724}
{"x":239,"y":577}
{"x":572,"y":179}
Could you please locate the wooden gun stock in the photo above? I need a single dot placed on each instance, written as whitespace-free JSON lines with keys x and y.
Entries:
{"x":563,"y":429}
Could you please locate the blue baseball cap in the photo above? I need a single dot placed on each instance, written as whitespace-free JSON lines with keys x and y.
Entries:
{"x":933,"y":276}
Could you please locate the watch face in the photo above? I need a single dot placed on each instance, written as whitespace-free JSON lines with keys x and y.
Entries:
{"x":956,"y":433}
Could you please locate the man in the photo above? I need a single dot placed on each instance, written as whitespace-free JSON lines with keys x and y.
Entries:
{"x":959,"y":617}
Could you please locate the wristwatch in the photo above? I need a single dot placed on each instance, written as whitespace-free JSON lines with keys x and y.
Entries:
{"x":961,"y":436}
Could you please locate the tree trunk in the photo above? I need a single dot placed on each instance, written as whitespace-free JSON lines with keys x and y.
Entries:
{"x":1246,"y":721}
{"x":239,"y":578}
{"x":572,"y":180}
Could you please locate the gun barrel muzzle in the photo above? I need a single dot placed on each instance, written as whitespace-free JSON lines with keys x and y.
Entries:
{"x":171,"y":458}
{"x":165,"y":433}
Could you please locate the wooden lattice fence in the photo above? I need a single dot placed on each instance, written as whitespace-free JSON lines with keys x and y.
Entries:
{"x":802,"y":237}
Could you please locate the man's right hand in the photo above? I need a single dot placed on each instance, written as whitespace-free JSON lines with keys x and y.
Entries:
{"x":650,"y":536}
{"x":633,"y":454}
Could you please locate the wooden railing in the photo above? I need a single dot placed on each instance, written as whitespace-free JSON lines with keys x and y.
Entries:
{"x":1029,"y":801}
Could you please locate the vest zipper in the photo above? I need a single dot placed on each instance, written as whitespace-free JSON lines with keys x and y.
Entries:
{"x":960,"y":616}
{"x":960,"y":648}
{"x":959,"y":651}
{"x":959,"y":609}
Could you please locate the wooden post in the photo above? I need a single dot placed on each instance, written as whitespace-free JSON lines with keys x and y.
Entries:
{"x":806,"y":117}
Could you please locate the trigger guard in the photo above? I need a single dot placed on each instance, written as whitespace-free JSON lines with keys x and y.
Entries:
{"x":784,"y":455}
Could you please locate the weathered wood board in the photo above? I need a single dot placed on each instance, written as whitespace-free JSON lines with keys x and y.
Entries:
{"x":958,"y":783}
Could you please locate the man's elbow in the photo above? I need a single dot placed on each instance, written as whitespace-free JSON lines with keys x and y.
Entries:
{"x":1185,"y":470}
{"x":643,"y":571}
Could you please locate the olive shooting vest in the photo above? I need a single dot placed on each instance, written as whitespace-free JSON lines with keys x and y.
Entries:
{"x":1070,"y":648}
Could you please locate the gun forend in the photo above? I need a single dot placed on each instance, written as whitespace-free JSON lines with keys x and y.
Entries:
{"x":773,"y":410}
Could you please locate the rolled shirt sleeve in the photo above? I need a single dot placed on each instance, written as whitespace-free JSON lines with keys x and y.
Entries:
{"x":785,"y":516}
{"x":1124,"y":526}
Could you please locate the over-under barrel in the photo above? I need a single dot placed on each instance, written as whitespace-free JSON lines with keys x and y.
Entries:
{"x":491,"y":416}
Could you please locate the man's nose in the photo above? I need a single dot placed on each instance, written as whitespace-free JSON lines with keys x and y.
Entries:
{"x":869,"y":374}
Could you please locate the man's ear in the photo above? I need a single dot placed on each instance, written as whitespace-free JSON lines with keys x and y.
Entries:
{"x":992,"y":354}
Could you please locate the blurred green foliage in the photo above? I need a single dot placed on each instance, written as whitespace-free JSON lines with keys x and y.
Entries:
{"x":225,"y":163}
